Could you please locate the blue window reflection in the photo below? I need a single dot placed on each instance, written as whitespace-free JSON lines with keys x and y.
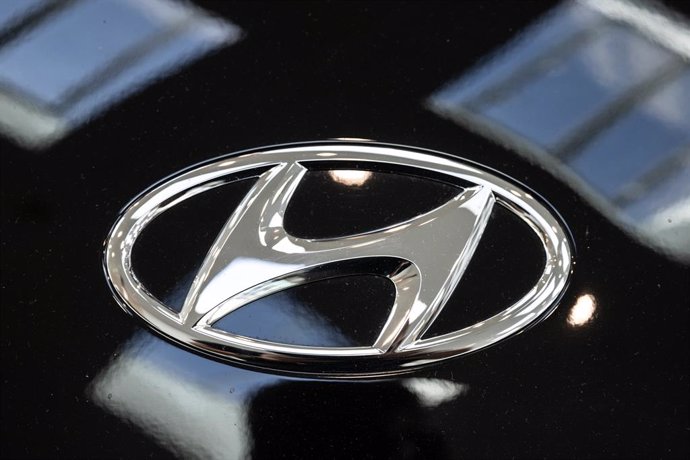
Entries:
{"x":645,"y":138}
{"x":72,"y":61}
{"x":50,"y":60}
{"x":599,"y":93}
{"x":554,"y":103}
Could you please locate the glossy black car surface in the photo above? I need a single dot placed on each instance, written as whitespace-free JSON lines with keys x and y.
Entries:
{"x":585,"y":105}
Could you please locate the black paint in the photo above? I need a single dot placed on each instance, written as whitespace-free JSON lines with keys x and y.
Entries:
{"x":616,"y":387}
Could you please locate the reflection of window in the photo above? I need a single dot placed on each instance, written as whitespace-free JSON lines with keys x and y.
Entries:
{"x":191,"y":405}
{"x":15,"y":12}
{"x":599,"y":92}
{"x":62,"y":62}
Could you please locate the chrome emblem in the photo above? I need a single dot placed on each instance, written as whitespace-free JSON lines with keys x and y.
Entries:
{"x":253,"y":257}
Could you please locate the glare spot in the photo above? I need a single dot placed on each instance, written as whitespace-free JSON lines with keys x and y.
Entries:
{"x":353,"y":139}
{"x":350,"y":177}
{"x":583,"y":311}
{"x":433,"y":392}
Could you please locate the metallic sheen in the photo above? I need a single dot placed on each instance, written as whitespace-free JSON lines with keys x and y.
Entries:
{"x":253,"y":256}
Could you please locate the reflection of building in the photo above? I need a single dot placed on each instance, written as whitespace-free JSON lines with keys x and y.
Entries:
{"x":599,"y":93}
{"x":62,"y":62}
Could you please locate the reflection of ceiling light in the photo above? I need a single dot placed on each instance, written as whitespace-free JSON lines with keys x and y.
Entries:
{"x":352,"y":139}
{"x":583,"y":310}
{"x":350,"y":177}
{"x":433,"y":392}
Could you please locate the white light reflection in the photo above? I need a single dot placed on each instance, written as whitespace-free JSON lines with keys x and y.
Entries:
{"x":237,"y":276}
{"x":434,"y":392}
{"x":353,"y":139}
{"x":350,"y":177}
{"x":583,"y":310}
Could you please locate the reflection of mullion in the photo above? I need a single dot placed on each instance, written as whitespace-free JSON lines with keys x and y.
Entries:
{"x":33,"y":20}
{"x":572,"y":145}
{"x":17,"y":93}
{"x":652,"y":179}
{"x":126,"y":59}
{"x":534,"y":68}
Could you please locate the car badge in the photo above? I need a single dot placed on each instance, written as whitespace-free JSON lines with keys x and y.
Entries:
{"x":254,"y":257}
